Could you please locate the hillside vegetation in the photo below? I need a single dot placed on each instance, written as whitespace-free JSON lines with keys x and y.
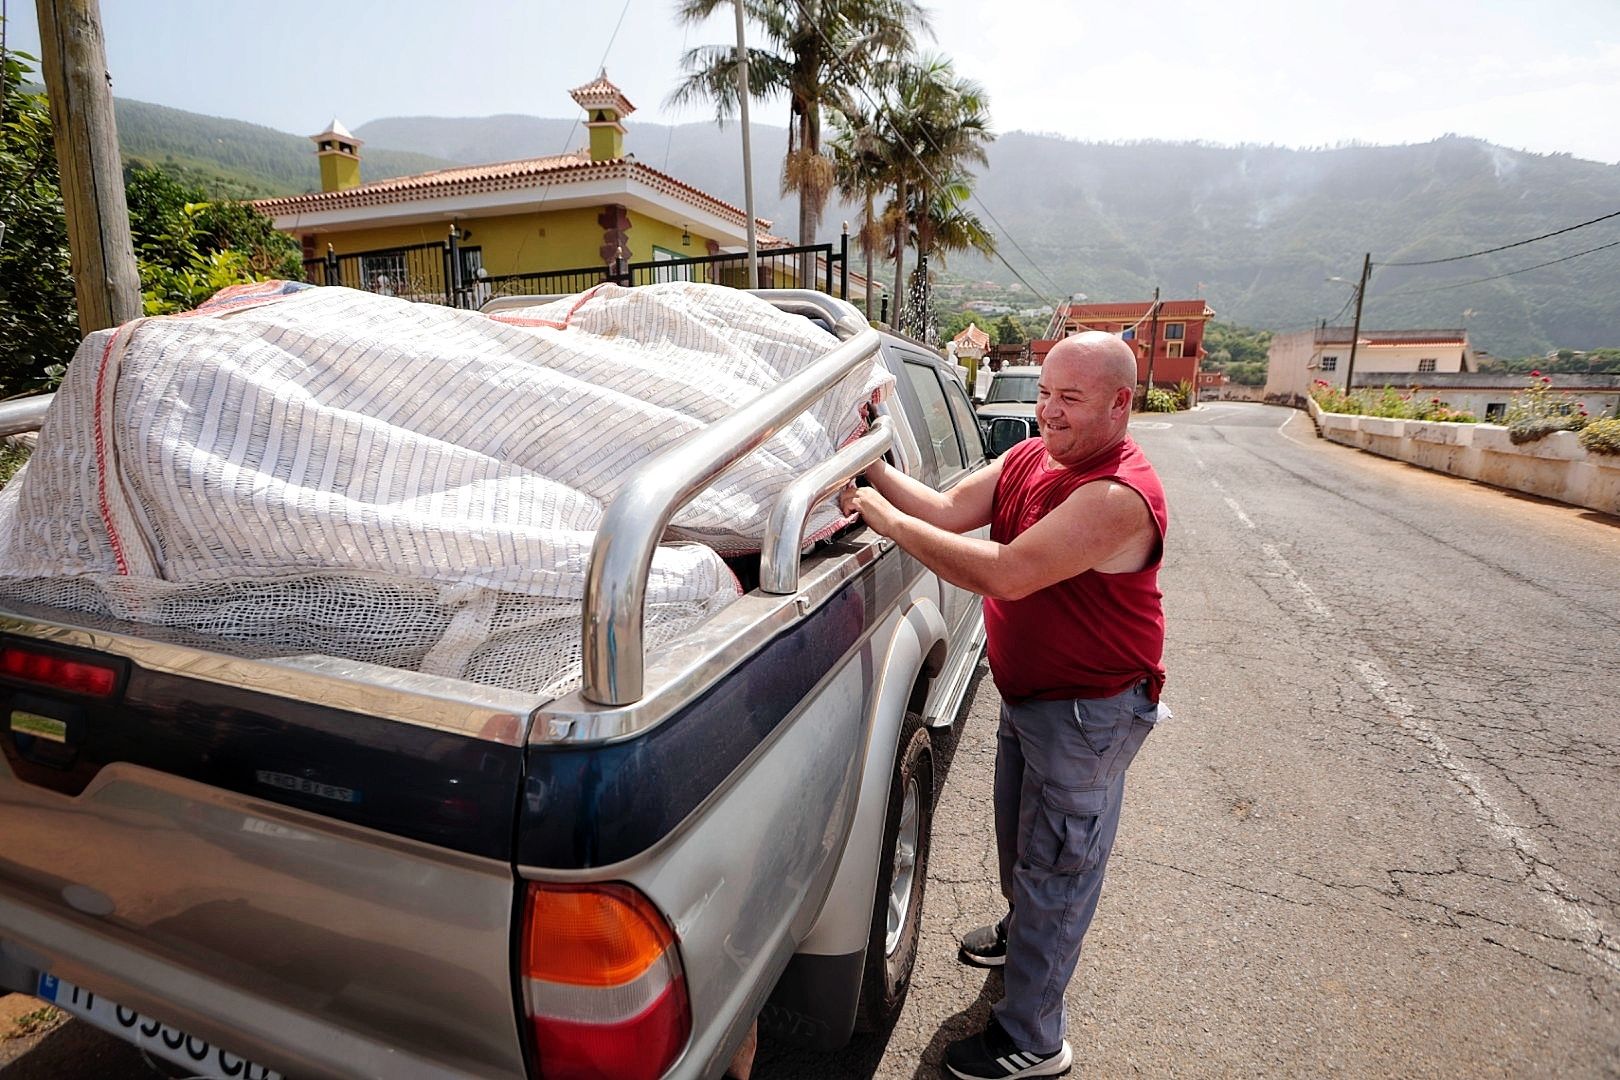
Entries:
{"x":1260,"y":228}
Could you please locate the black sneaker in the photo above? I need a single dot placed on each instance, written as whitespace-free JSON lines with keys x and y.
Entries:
{"x":986,"y":946}
{"x":991,"y":1055}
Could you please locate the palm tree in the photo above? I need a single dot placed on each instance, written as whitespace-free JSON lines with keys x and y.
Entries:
{"x":863,"y":165}
{"x":814,"y":51}
{"x":940,"y":122}
{"x":941,"y":226}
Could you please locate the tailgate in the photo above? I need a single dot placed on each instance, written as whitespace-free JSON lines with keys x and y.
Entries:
{"x":305,"y":868}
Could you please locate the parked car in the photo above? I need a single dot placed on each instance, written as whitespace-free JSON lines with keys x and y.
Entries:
{"x":255,"y":866}
{"x":1007,"y":415}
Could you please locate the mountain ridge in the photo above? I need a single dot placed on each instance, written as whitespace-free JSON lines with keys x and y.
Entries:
{"x":1253,"y":228}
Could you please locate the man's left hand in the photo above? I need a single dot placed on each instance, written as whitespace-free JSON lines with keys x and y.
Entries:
{"x":878,"y":513}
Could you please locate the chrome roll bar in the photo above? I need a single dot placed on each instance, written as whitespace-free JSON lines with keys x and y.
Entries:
{"x":23,"y":414}
{"x":621,"y":557}
{"x":502,"y":303}
{"x":784,"y":530}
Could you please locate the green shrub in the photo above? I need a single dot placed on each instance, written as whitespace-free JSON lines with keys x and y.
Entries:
{"x":1530,"y":428}
{"x":1184,"y":394}
{"x":1601,"y":436}
{"x":12,"y":456}
{"x":1160,"y":400}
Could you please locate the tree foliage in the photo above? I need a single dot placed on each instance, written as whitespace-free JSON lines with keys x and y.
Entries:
{"x":188,"y":247}
{"x":1238,"y":351}
{"x":38,"y":325}
{"x":814,"y":52}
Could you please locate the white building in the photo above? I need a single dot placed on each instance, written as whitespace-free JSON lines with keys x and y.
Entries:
{"x":1299,"y":359}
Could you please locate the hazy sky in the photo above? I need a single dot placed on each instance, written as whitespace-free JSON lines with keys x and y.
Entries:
{"x":1541,"y":75}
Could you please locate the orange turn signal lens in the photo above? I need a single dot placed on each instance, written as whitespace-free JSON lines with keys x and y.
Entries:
{"x":591,"y":935}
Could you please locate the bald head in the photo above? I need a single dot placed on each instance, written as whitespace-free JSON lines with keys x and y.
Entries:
{"x":1087,"y":383}
{"x":1102,"y":359}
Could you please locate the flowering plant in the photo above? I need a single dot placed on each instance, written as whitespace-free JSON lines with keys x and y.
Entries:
{"x":1389,"y":402}
{"x":1538,"y":410}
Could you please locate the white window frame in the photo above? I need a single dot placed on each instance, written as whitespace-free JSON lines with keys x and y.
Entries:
{"x":1427,"y":364}
{"x":1330,"y":363}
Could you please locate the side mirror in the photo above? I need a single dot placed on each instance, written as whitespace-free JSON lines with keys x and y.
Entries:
{"x":1005,"y":432}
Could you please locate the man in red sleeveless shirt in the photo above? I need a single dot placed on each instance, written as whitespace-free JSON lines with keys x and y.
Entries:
{"x":1075,"y":638}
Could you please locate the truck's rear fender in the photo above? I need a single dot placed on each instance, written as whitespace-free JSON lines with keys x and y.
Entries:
{"x":814,"y":1002}
{"x":731,"y":815}
{"x":916,"y":651}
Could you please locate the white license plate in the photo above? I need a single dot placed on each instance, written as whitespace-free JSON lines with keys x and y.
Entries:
{"x":153,"y":1036}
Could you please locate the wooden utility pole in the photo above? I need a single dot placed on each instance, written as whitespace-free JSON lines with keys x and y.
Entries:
{"x":74,"y":58}
{"x":1355,"y":333}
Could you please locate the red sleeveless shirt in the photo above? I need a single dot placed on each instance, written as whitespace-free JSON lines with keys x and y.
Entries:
{"x":1090,"y":636}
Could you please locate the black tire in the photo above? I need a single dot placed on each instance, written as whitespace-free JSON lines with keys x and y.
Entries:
{"x":887,"y":975}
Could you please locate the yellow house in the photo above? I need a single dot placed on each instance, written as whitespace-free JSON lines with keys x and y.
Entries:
{"x":538,"y":225}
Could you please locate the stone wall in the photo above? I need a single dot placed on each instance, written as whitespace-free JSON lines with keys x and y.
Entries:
{"x":1556,"y":466}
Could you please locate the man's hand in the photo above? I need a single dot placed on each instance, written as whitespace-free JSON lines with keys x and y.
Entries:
{"x":878,"y":513}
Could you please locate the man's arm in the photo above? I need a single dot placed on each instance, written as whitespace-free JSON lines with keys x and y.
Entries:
{"x":963,"y":508}
{"x":1102,"y":525}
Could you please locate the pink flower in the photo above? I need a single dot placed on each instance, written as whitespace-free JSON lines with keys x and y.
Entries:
{"x":1535,"y":374}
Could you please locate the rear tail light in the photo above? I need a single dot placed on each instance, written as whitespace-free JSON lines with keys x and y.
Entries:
{"x":602,"y":983}
{"x":57,"y":671}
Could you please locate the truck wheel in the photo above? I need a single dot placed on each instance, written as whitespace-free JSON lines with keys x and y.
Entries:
{"x":891,"y":950}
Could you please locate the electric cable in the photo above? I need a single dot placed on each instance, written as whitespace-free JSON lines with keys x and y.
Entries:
{"x":1504,"y":247}
{"x":1495,"y":277}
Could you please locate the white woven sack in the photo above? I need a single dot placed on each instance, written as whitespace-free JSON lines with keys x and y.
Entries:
{"x":326,"y":471}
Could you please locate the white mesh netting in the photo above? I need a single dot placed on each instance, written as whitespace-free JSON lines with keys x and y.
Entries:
{"x":297,"y":470}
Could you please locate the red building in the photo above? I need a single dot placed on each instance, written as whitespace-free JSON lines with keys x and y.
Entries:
{"x":1173,"y":333}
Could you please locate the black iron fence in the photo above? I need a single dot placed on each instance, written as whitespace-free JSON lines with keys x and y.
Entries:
{"x":452,"y":274}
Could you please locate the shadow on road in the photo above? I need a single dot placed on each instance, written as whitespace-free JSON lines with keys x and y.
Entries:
{"x":959,"y":1026}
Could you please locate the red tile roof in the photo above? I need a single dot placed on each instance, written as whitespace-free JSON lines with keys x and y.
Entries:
{"x":1168,"y":309}
{"x":1392,"y":339}
{"x":573,"y":167}
{"x":972,"y":335}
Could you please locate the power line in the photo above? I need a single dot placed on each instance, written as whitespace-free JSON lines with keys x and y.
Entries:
{"x":859,"y":85}
{"x":1504,"y":247}
{"x":1494,"y":277}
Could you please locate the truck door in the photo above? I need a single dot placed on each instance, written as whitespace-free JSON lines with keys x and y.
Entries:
{"x":953,"y":437}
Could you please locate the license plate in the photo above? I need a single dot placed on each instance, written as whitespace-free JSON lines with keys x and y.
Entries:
{"x":153,"y":1036}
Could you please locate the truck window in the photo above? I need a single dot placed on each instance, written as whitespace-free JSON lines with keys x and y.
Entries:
{"x":937,"y":415}
{"x":967,"y":425}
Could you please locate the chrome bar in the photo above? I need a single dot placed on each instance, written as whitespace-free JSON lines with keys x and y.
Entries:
{"x":844,"y":318}
{"x":621,"y":557}
{"x":23,"y":414}
{"x":501,"y":303}
{"x":784,"y":530}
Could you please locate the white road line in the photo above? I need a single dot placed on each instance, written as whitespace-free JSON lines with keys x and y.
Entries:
{"x":1284,"y":434}
{"x":1594,"y":938}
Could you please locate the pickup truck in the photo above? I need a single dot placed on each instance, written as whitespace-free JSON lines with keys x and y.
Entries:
{"x":315,"y":867}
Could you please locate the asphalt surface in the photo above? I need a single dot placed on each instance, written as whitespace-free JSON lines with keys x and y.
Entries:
{"x":1381,"y":837}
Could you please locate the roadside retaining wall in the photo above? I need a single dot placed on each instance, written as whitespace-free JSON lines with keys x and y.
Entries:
{"x":1555,"y":466}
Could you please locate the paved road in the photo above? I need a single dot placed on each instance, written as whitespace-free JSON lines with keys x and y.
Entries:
{"x":1381,"y":836}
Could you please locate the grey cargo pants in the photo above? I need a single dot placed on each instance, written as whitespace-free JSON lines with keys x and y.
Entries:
{"x":1060,"y":778}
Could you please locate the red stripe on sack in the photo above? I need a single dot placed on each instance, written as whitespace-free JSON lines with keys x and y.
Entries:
{"x":515,"y":320}
{"x":101,"y":459}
